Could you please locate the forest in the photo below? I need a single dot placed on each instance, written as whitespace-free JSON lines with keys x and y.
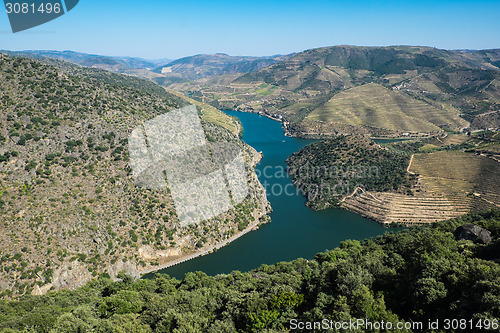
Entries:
{"x":328,"y":170}
{"x":419,"y":274}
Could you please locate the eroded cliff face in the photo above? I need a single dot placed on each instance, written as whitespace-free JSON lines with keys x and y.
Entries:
{"x":69,"y":205}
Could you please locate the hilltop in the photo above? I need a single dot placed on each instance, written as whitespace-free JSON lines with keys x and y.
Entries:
{"x":328,"y":171}
{"x":419,"y":91}
{"x":69,"y":207}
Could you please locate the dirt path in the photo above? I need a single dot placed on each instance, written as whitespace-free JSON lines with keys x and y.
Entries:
{"x":409,"y":165}
{"x":487,"y":113}
{"x":352,"y":194}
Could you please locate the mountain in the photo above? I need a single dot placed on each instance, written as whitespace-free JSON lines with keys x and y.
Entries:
{"x":434,"y":90}
{"x":125,"y":65}
{"x":69,"y":204}
{"x":208,"y":65}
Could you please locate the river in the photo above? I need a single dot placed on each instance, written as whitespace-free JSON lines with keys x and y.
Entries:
{"x":296,"y":231}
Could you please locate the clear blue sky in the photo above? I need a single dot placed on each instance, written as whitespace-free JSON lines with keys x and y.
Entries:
{"x":173,"y":29}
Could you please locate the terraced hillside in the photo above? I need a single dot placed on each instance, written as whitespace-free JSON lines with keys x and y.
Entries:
{"x":329,"y":171}
{"x":69,"y":206}
{"x":460,"y":172}
{"x":450,"y":184}
{"x":310,"y":91}
{"x":423,"y":207}
{"x":397,"y":183}
{"x":474,"y":91}
{"x":372,"y":105}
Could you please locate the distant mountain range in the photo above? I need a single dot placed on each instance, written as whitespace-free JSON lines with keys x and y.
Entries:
{"x":72,"y":211}
{"x":376,"y":91}
{"x":94,"y":60}
{"x":208,"y":65}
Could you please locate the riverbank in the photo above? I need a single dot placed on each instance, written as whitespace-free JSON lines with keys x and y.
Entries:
{"x":260,"y":216}
{"x":254,"y":226}
{"x":296,"y":231}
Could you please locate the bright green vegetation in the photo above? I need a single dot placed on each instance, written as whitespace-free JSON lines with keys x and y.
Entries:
{"x":415,"y":275}
{"x":329,"y":170}
{"x":67,"y":195}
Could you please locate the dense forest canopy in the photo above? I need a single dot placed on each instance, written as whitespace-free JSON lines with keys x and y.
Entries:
{"x":416,"y":275}
{"x":328,"y":170}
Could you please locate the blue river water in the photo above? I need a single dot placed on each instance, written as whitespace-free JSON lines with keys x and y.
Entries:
{"x":296,"y":231}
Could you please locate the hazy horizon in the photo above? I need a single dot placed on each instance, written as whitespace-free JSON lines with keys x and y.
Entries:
{"x":232,"y":55}
{"x":160,"y":30}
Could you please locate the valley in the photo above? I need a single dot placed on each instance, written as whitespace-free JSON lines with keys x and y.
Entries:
{"x":249,"y":167}
{"x":64,"y":123}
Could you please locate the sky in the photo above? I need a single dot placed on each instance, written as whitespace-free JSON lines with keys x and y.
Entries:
{"x":164,"y":29}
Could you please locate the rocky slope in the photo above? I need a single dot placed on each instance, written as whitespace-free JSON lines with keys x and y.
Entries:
{"x":69,"y":208}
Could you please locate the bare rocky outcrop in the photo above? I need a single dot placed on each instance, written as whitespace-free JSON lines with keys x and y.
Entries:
{"x":474,"y":233}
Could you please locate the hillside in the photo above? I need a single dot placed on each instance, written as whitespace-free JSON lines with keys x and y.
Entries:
{"x":208,"y":65}
{"x":307,"y":90}
{"x":372,"y":105}
{"x":69,"y":206}
{"x":126,"y":65}
{"x":473,"y":91}
{"x":412,"y":277}
{"x":440,"y":181}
